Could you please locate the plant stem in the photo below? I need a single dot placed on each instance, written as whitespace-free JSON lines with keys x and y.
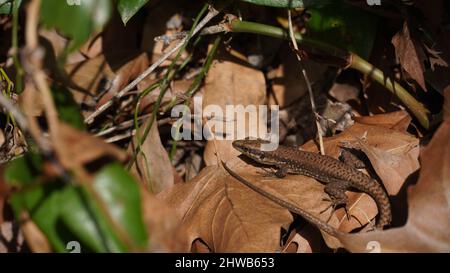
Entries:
{"x":417,"y":108}
{"x":354,"y":61}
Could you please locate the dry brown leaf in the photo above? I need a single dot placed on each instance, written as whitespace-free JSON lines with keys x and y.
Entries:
{"x":125,"y":74}
{"x":230,"y":83}
{"x":392,"y":148}
{"x":408,"y":55}
{"x":229,"y":217}
{"x":427,"y":227}
{"x":446,"y":107}
{"x":153,"y":165}
{"x":87,"y":77}
{"x":165,"y":232}
{"x":288,"y":83}
{"x":399,"y":120}
{"x":76,"y":148}
{"x":34,"y":237}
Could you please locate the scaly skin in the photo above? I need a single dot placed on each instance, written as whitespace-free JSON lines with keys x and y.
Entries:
{"x":337,"y":175}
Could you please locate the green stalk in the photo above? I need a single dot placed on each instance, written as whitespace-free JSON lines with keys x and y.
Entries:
{"x":417,"y":108}
{"x":355,"y":62}
{"x":15,"y":46}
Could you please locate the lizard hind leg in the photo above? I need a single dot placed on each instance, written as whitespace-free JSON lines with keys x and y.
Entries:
{"x":336,"y":191}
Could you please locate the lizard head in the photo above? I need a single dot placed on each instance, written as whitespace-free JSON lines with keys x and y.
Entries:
{"x":252,"y":149}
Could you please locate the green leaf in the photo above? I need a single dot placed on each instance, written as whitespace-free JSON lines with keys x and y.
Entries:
{"x":44,"y":205}
{"x":289,"y":3}
{"x":24,"y":170}
{"x":84,"y":219}
{"x":67,"y":107}
{"x":76,"y":19}
{"x":120,"y":193}
{"x":344,"y":26}
{"x":6,"y":6}
{"x":128,"y":8}
{"x":67,"y":213}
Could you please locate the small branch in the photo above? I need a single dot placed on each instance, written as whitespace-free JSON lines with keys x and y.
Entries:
{"x":33,"y":66}
{"x":168,"y":38}
{"x":308,"y":84}
{"x":211,"y":14}
{"x":417,"y":108}
{"x":14,"y":111}
{"x":353,"y":60}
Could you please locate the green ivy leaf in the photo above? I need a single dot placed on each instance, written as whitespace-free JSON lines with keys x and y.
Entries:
{"x":289,"y":3}
{"x":76,"y":19}
{"x":120,"y":193}
{"x":6,"y":6}
{"x":67,"y":213}
{"x":344,"y":26}
{"x":24,"y":170}
{"x":67,"y":107}
{"x":128,"y":8}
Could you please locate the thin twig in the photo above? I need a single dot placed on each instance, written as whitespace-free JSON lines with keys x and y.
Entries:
{"x":308,"y":84}
{"x":211,"y":14}
{"x":14,"y":111}
{"x":34,"y":66}
{"x":168,"y":38}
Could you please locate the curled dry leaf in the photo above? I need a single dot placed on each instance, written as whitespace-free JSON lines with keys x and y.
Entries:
{"x":427,"y":227}
{"x":409,"y":56}
{"x":76,"y":148}
{"x":386,"y":148}
{"x":152,"y":166}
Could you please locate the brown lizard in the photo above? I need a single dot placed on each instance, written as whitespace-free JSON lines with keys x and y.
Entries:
{"x":337,"y":176}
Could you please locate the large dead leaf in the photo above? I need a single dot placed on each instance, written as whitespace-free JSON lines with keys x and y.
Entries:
{"x":229,"y":217}
{"x":427,"y":227}
{"x":230,"y":83}
{"x":164,"y":230}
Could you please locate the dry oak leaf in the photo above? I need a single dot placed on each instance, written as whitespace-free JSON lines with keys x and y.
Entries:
{"x":392,"y":153}
{"x":428,"y":225}
{"x":229,"y":217}
{"x":386,"y":146}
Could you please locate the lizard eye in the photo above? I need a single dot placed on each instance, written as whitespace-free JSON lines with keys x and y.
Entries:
{"x":261,"y":156}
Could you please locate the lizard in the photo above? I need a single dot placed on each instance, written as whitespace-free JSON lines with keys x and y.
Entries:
{"x":337,"y":176}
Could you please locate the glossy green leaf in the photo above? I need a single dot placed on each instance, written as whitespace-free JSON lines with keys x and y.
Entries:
{"x":76,"y":19}
{"x":120,"y":193}
{"x":44,"y":206}
{"x":85,"y":220}
{"x":7,"y":5}
{"x":128,"y":8}
{"x":344,"y":26}
{"x":67,"y":107}
{"x":289,"y":3}
{"x":23,"y":170}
